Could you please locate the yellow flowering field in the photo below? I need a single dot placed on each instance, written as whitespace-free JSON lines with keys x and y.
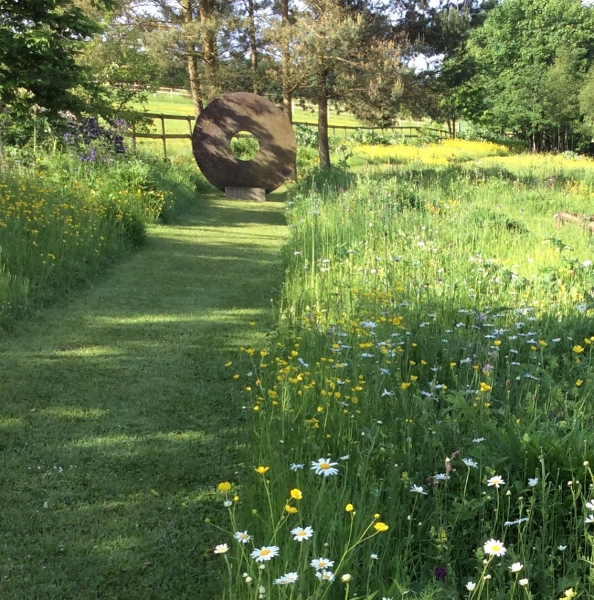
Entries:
{"x":432,"y":154}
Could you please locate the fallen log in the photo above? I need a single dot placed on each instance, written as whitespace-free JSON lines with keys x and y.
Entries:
{"x":586,"y":221}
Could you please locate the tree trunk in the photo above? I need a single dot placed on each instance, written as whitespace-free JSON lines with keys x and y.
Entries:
{"x":208,"y":49}
{"x":195,"y":84}
{"x":322,"y":98}
{"x":3,"y":110}
{"x":286,"y":57}
{"x":195,"y":88}
{"x":253,"y":48}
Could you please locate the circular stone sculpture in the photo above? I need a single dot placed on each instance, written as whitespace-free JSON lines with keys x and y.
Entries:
{"x":242,"y":111}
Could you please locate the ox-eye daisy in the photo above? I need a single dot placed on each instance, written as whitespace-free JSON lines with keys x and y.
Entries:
{"x":302,"y":533}
{"x":321,"y":563}
{"x":496,"y":480}
{"x":494,"y":548}
{"x":286,"y":579}
{"x":324,"y":466}
{"x":264,"y":553}
{"x":242,"y":536}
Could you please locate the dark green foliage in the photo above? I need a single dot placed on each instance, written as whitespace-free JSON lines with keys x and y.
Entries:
{"x":306,"y":136}
{"x":531,"y":58}
{"x":39,"y":41}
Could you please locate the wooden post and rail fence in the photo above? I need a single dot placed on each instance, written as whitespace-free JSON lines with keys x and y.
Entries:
{"x":413,"y":130}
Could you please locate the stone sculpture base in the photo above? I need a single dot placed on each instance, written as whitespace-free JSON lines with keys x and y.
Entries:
{"x":243,"y":193}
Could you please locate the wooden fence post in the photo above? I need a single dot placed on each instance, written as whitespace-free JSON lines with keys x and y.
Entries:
{"x":164,"y":138}
{"x":134,"y":136}
{"x":190,"y":126}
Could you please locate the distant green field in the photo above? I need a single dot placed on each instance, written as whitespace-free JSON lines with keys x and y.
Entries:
{"x":175,"y":104}
{"x":172,"y":104}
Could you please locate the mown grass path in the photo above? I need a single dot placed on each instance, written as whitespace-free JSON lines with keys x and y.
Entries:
{"x":118,"y":416}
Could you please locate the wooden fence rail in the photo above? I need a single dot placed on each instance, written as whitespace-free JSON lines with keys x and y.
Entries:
{"x":413,"y":130}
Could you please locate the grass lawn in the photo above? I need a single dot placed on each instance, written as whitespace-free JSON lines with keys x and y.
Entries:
{"x":171,"y":104}
{"x":118,"y":413}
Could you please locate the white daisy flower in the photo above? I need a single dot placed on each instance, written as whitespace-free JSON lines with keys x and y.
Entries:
{"x":470,"y":586}
{"x":561,"y":547}
{"x":496,"y":481}
{"x":523,"y":582}
{"x":286,"y":579}
{"x":227,"y":503}
{"x":515,"y":567}
{"x":296,"y":466}
{"x":532,"y":482}
{"x":221,"y":549}
{"x":345,"y":457}
{"x":589,"y":519}
{"x":242,"y":537}
{"x":494,"y":548}
{"x":441,"y":477}
{"x":418,"y":489}
{"x":324,"y":466}
{"x":590,"y":505}
{"x":470,"y":463}
{"x":321,"y":563}
{"x":302,"y":533}
{"x":325,"y":575}
{"x":264,"y":553}
{"x":346,"y":578}
{"x":374,"y":557}
{"x":478,"y":440}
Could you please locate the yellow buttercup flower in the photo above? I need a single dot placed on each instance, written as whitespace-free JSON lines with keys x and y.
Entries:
{"x":349,"y":507}
{"x":485,"y":387}
{"x":291,"y":509}
{"x":296,"y":494}
{"x":224,"y":486}
{"x":578,"y":349}
{"x":379,"y":526}
{"x":261,"y":470}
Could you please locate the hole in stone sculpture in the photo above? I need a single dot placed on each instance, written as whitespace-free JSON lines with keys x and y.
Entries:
{"x":244,"y":145}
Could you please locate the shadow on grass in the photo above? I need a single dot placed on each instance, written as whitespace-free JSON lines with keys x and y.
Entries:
{"x":119,"y":415}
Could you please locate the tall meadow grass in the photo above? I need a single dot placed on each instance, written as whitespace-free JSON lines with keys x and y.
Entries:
{"x":422,"y":422}
{"x":62,"y":219}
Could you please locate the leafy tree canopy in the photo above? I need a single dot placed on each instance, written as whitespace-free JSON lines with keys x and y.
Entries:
{"x":531,"y":57}
{"x":39,"y":43}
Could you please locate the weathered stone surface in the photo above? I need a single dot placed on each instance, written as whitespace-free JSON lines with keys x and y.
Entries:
{"x":240,"y":193}
{"x":242,"y":111}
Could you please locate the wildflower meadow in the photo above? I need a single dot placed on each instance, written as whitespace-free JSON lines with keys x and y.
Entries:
{"x":64,"y":216}
{"x":422,"y":418}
